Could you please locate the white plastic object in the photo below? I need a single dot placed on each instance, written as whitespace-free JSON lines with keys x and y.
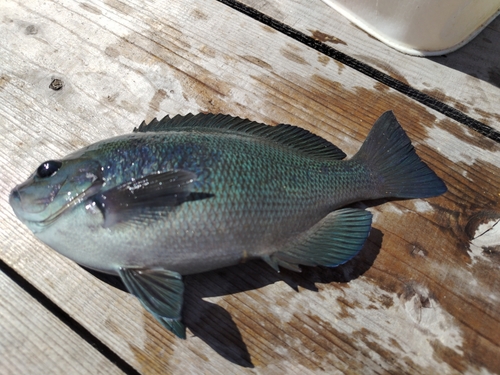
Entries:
{"x":420,"y":27}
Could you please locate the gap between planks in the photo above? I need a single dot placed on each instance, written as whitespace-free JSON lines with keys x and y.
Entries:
{"x":64,"y":318}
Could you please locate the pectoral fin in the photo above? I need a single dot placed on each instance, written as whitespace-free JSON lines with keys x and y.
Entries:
{"x":161,"y":190}
{"x":160,"y":292}
{"x":331,"y":242}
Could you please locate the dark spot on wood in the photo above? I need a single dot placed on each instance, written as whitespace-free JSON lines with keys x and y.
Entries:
{"x":322,"y":37}
{"x":199,"y":15}
{"x":340,"y":66}
{"x":256,"y":61}
{"x":56,"y":84}
{"x":344,"y":306}
{"x":90,"y":8}
{"x":425,"y":302}
{"x":326,"y":83}
{"x":363,"y":333}
{"x":120,"y":6}
{"x":416,"y":250}
{"x":112,"y":98}
{"x":461,"y":107}
{"x":208,"y":51}
{"x":324,"y":60}
{"x":386,"y":300}
{"x":112,"y":52}
{"x":395,"y":344}
{"x":379,"y":86}
{"x":158,"y":97}
{"x":469,"y":137}
{"x":4,"y":80}
{"x":31,"y":30}
{"x":207,"y":89}
{"x":292,"y":56}
{"x":268,"y":29}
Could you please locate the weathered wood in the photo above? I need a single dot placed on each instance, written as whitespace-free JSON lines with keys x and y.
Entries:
{"x":423,"y":296}
{"x":33,"y":341}
{"x":467,"y":79}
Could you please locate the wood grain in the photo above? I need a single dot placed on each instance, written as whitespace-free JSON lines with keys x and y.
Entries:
{"x":33,"y":341}
{"x":423,"y":295}
{"x":467,"y":80}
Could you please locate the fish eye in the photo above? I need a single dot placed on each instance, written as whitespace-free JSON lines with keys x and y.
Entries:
{"x":48,"y":168}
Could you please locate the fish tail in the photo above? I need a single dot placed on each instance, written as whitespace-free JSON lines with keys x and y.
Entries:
{"x":393,"y":162}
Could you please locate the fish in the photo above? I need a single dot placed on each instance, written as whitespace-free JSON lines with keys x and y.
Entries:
{"x":194,"y":193}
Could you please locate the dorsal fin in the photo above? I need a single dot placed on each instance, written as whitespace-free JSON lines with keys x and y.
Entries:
{"x":288,"y":135}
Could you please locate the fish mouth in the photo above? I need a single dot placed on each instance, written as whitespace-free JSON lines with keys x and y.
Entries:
{"x":16,"y":200}
{"x":27,"y":203}
{"x":95,"y":187}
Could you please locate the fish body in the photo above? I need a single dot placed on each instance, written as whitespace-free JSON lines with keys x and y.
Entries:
{"x":190,"y":194}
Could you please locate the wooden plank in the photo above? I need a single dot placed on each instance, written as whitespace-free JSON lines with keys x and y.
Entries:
{"x":467,"y":79}
{"x":33,"y":341}
{"x":424,"y":274}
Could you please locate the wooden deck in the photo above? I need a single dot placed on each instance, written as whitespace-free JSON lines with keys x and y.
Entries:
{"x":422,"y":297}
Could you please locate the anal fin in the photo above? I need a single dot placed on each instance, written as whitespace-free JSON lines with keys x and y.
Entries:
{"x":331,"y":242}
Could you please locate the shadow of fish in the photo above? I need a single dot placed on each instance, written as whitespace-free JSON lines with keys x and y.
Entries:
{"x":199,"y":192}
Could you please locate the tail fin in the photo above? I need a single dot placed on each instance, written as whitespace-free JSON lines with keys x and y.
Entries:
{"x":399,"y":171}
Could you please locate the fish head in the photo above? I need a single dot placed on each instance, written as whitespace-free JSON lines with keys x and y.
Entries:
{"x":54,"y":188}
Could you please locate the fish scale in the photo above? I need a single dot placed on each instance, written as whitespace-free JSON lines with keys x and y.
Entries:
{"x":199,"y":192}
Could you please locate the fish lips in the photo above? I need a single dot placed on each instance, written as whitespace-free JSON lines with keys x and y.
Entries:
{"x":39,"y":202}
{"x":32,"y":215}
{"x":27,"y":199}
{"x":37,"y":221}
